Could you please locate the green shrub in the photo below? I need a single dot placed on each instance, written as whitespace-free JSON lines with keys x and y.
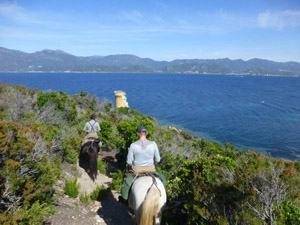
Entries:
{"x":85,"y":198}
{"x":50,"y":131}
{"x":49,"y":172}
{"x":53,"y":97}
{"x":83,"y":93}
{"x":70,"y":146}
{"x":71,"y":187}
{"x":99,"y":194}
{"x":71,"y":156}
{"x":127,"y":130}
{"x":61,"y":102}
{"x":109,"y":141}
{"x":124,"y":110}
{"x":102,"y":166}
{"x":36,"y":213}
{"x":117,"y":180}
{"x":33,"y":214}
{"x":290,"y":214}
{"x":72,"y":113}
{"x":107,"y":107}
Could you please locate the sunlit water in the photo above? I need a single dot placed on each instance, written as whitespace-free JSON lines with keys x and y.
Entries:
{"x":251,"y":112}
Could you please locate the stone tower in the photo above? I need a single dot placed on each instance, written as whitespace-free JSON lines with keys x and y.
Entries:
{"x":121,"y":100}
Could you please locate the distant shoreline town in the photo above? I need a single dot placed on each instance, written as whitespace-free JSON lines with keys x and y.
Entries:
{"x":57,"y":61}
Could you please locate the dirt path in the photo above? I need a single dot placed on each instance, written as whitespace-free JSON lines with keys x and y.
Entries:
{"x":70,"y":211}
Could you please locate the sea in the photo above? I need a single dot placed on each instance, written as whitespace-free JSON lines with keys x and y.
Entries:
{"x":259,"y":113}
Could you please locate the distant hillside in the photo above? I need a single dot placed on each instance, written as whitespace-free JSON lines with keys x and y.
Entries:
{"x":60,"y":61}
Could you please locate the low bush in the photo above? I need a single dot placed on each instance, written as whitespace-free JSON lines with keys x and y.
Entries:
{"x":117,"y":180}
{"x":124,"y":110}
{"x":85,"y":198}
{"x":102,"y":166}
{"x":99,"y":194}
{"x":71,"y":187}
{"x":108,"y":107}
{"x":71,"y":156}
{"x":290,"y":214}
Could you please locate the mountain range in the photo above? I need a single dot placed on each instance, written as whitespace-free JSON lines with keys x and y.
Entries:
{"x":60,"y":61}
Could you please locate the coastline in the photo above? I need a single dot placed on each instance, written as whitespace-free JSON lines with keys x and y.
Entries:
{"x":187,"y":73}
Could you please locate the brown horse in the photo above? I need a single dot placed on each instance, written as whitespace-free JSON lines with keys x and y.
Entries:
{"x":89,"y":151}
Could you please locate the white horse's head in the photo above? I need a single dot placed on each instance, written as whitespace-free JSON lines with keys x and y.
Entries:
{"x":147,"y":199}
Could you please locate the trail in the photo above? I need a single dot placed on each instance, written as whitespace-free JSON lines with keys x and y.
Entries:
{"x":70,"y":211}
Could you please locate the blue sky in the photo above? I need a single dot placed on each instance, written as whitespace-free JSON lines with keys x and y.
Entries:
{"x":161,"y":30}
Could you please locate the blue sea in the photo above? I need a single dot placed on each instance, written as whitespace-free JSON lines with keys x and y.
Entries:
{"x":260,"y":113}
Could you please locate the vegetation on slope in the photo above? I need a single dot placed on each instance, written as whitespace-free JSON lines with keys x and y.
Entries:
{"x":208,"y":183}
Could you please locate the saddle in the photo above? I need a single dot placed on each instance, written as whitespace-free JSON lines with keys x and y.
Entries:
{"x":128,"y":181}
{"x":91,"y":138}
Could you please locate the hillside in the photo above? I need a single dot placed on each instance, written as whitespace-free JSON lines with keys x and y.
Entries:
{"x":59,"y":61}
{"x":208,"y":183}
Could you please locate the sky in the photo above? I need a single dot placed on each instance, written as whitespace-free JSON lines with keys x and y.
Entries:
{"x":157,"y":29}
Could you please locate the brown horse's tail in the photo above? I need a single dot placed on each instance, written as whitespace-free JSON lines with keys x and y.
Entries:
{"x":93,"y":158}
{"x":150,"y":206}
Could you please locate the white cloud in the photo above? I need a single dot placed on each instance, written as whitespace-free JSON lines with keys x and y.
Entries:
{"x":182,"y":22}
{"x":19,"y":15}
{"x":134,"y":16}
{"x":140,"y":18}
{"x":160,"y":4}
{"x":16,"y":13}
{"x":157,"y":19}
{"x":279,"y":20}
{"x":221,"y":14}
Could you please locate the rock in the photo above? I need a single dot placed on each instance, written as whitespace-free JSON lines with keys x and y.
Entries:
{"x":97,"y":203}
{"x":95,"y":209}
{"x":99,"y":219}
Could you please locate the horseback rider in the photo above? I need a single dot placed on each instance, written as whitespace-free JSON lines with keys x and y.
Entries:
{"x":91,"y":128}
{"x":141,"y":157}
{"x":142,"y":154}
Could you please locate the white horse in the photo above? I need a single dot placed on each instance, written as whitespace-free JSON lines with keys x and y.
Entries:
{"x":147,"y":198}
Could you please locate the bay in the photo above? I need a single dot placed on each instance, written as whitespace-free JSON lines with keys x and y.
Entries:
{"x":260,"y":113}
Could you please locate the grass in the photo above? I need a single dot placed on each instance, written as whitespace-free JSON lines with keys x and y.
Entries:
{"x":85,"y":198}
{"x":117,"y":180}
{"x":71,"y":188}
{"x":102,"y":166}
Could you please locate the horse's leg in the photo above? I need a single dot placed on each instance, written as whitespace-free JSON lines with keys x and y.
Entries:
{"x":130,"y":200}
{"x":93,"y":162}
{"x":86,"y":161}
{"x":137,"y":217}
{"x":157,"y":219}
